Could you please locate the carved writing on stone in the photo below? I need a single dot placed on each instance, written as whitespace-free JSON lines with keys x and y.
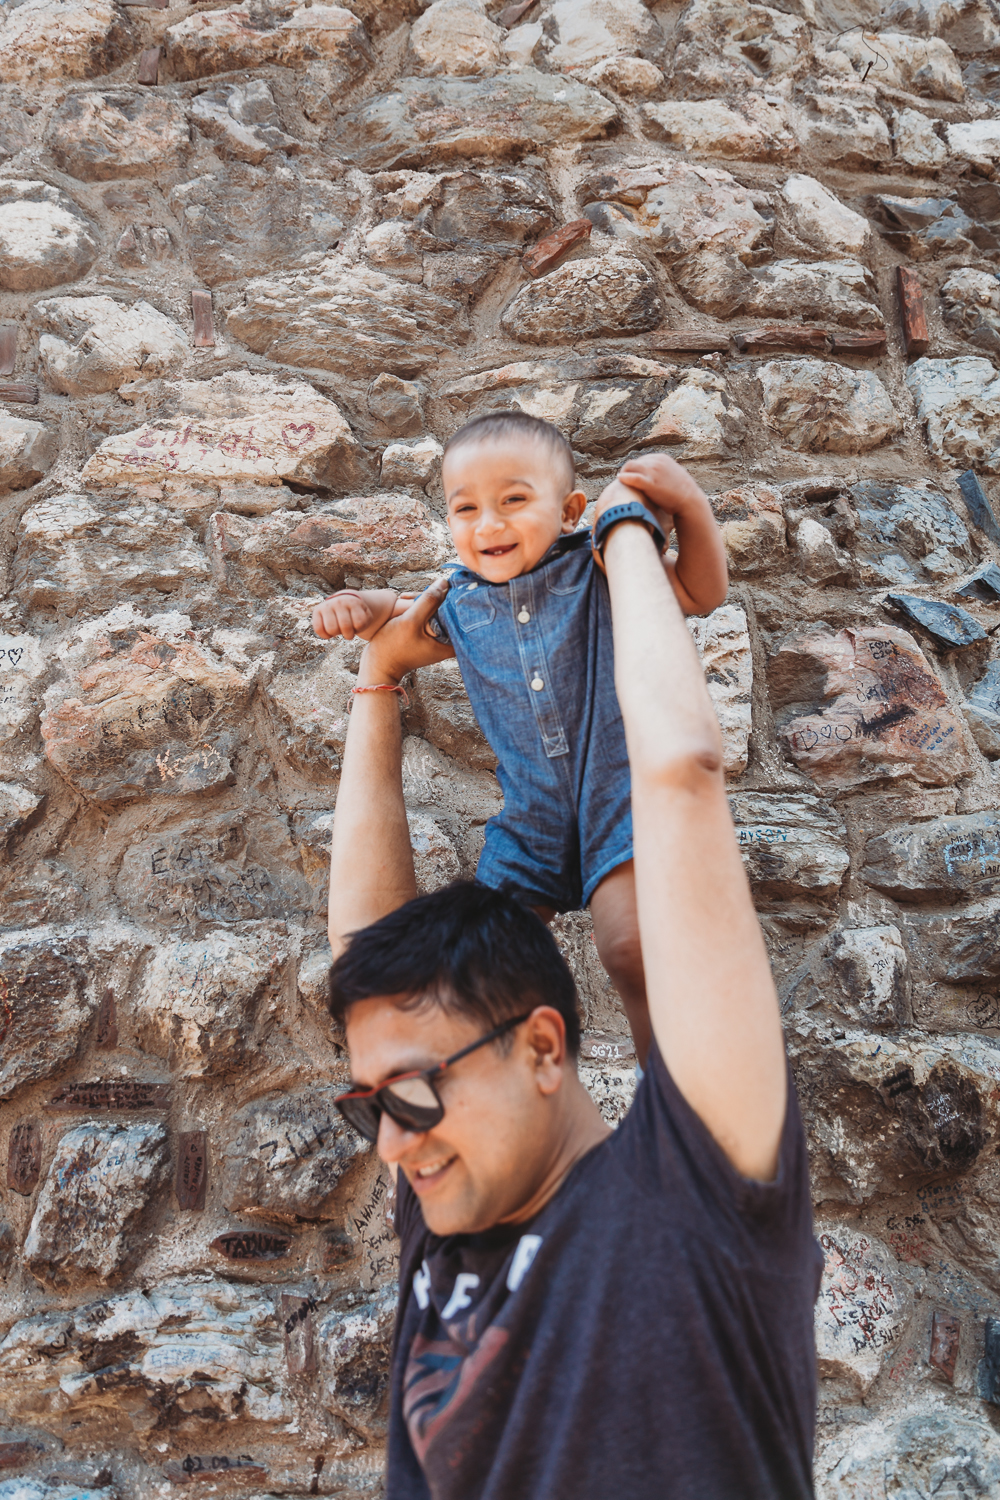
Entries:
{"x":192,"y":1169}
{"x":111,"y":1093}
{"x":106,"y":1036}
{"x":24,"y":1157}
{"x":603,"y":1047}
{"x":252,"y":1244}
{"x":300,"y":1349}
{"x":213,"y":1466}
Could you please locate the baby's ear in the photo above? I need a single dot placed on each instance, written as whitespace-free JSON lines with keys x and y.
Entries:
{"x":573,"y":508}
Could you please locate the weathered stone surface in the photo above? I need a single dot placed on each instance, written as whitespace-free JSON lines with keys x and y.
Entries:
{"x":94,"y":344}
{"x":141,"y":708}
{"x":27,"y":451}
{"x":243,"y":220}
{"x":918,"y":65}
{"x":242,"y":122}
{"x":100,"y":136}
{"x":970,"y":302}
{"x":907,"y":532}
{"x":607,"y":295}
{"x":200,"y":999}
{"x":959,"y":400}
{"x":948,"y":623}
{"x":929,"y":1450}
{"x":46,"y":1004}
{"x":925,"y":227}
{"x":635,"y":77}
{"x":22,"y":663}
{"x":100,"y":1180}
{"x":793,"y":846}
{"x":697,"y":417}
{"x":818,"y":557}
{"x":726,"y":48}
{"x":756,"y":129}
{"x":221,"y":41}
{"x":863,"y":1308}
{"x":915,"y":142}
{"x":823,"y":407}
{"x":870,"y":977}
{"x":752,"y":525}
{"x":982,"y":711}
{"x":723,"y":643}
{"x":448,"y":119}
{"x":45,"y":41}
{"x":843,"y":130}
{"x":820,"y":221}
{"x":978,"y":143}
{"x":588,"y":31}
{"x":547,"y":254}
{"x":880,"y":710}
{"x":353,"y":1360}
{"x":487,"y":209}
{"x":833,"y":291}
{"x":287,"y":1158}
{"x":457,"y":37}
{"x":235,"y":429}
{"x":76,"y":550}
{"x":396,"y":404}
{"x":44,"y":237}
{"x":410,"y":465}
{"x":17,"y":806}
{"x":948,"y":858}
{"x":677,"y":207}
{"x":436,"y":861}
{"x":967,"y":25}
{"x":352,"y":320}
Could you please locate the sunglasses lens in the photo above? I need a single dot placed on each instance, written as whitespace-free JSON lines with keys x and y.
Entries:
{"x":363,"y":1114}
{"x":413,"y":1104}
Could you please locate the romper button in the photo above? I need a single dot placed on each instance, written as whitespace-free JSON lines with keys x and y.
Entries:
{"x":537,"y":684}
{"x":523,"y":617}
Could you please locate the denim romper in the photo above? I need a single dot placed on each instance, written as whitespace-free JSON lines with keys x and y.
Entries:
{"x":537,"y":660}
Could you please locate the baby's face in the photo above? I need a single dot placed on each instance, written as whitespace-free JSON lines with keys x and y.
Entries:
{"x":507,"y":504}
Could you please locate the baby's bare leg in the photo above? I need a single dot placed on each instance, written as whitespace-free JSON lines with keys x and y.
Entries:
{"x":616,"y":932}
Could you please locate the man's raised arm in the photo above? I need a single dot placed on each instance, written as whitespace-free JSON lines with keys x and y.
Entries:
{"x":712,"y":1001}
{"x":371,"y":860}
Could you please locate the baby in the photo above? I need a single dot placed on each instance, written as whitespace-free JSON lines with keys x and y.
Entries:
{"x":528,"y":616}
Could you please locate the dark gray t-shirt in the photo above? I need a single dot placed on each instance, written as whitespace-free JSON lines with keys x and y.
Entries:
{"x":647,"y":1336}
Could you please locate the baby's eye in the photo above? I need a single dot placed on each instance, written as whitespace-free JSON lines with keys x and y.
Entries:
{"x":463,"y":510}
{"x":515,"y":499}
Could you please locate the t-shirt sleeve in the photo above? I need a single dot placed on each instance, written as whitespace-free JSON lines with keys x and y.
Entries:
{"x":666,"y":1142}
{"x":438,"y":623}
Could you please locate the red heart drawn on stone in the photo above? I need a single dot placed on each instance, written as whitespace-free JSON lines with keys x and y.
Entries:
{"x":308,"y":429}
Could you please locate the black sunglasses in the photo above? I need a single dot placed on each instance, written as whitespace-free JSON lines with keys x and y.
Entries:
{"x":410,"y":1098}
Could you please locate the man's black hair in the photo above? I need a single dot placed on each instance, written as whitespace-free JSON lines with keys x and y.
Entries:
{"x":517,"y":424}
{"x":469,"y":949}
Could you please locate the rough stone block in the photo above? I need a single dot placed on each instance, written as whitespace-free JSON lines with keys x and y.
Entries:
{"x":721,"y":50}
{"x":456,"y":37}
{"x":94,"y":344}
{"x":236,"y":429}
{"x":634,"y":77}
{"x":948,"y":858}
{"x":842,"y":130}
{"x":908,"y":532}
{"x":222,"y":41}
{"x":723,"y":642}
{"x":863,"y":1308}
{"x":923,"y":1449}
{"x":678,"y":207}
{"x":793,"y":846}
{"x":45,"y":238}
{"x":242,"y":121}
{"x":959,"y":401}
{"x":245,"y":220}
{"x":27,"y":451}
{"x":18,"y":806}
{"x":349,"y":319}
{"x":871,"y":971}
{"x":917,"y":65}
{"x":354,"y":1363}
{"x":22,"y":662}
{"x":698,"y":418}
{"x":45,"y":41}
{"x":46,"y":1004}
{"x":916,"y":144}
{"x":911,"y":311}
{"x":97,"y":137}
{"x":586,"y":32}
{"x":880,"y":710}
{"x":835,"y":291}
{"x":410,"y":465}
{"x":821,"y":407}
{"x":200,"y":999}
{"x":818,"y":219}
{"x":753,"y":527}
{"x":100,"y":1180}
{"x":608,"y":295}
{"x":948,"y":623}
{"x":756,"y":129}
{"x":287,"y":1158}
{"x":977,"y":142}
{"x":449,"y":119}
{"x":923,"y":227}
{"x":440,"y":712}
{"x":970,"y":302}
{"x":982,"y":711}
{"x":547,"y":254}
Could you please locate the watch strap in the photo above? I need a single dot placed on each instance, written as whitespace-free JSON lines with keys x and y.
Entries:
{"x":627,"y":510}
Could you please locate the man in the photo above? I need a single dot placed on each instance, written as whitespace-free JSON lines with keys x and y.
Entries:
{"x":583,"y":1314}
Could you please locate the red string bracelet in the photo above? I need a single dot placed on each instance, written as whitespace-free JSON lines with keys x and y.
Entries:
{"x":384,"y":687}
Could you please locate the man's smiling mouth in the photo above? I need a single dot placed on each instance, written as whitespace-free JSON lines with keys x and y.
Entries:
{"x":431,"y":1173}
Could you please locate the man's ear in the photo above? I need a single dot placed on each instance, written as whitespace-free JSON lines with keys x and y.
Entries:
{"x":573,"y":508}
{"x":545,"y":1035}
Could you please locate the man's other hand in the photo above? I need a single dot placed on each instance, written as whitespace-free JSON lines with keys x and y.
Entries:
{"x":404,"y":642}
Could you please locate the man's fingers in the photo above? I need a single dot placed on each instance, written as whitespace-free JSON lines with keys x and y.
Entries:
{"x":426,"y":603}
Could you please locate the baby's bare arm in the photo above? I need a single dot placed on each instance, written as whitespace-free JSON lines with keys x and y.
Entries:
{"x":354,"y":612}
{"x":698,"y":571}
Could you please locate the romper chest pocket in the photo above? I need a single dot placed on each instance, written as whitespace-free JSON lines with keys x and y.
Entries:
{"x":473,"y":609}
{"x":567,"y":580}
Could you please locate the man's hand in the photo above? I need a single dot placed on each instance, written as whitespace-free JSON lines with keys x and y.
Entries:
{"x":404,"y":642}
{"x":666,"y":486}
{"x":353,"y":612}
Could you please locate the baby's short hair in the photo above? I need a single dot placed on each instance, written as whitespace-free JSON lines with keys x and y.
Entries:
{"x":517,"y":424}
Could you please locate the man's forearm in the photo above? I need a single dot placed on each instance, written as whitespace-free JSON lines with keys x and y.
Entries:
{"x":712,"y":1000}
{"x":371,"y":860}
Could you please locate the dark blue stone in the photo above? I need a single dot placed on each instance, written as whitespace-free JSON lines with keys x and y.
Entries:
{"x":980,"y":508}
{"x":984,"y":583}
{"x":988,"y":1379}
{"x":954,"y":626}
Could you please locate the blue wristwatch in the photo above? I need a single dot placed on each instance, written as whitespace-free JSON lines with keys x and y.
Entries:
{"x":629,"y":510}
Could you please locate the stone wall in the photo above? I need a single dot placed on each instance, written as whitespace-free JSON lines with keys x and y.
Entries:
{"x":256,"y":265}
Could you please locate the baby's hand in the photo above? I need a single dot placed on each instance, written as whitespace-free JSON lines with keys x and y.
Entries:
{"x":664,"y":483}
{"x":354,"y":612}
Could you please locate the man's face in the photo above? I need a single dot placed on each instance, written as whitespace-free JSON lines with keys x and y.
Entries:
{"x":507,"y":503}
{"x":490,"y":1153}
